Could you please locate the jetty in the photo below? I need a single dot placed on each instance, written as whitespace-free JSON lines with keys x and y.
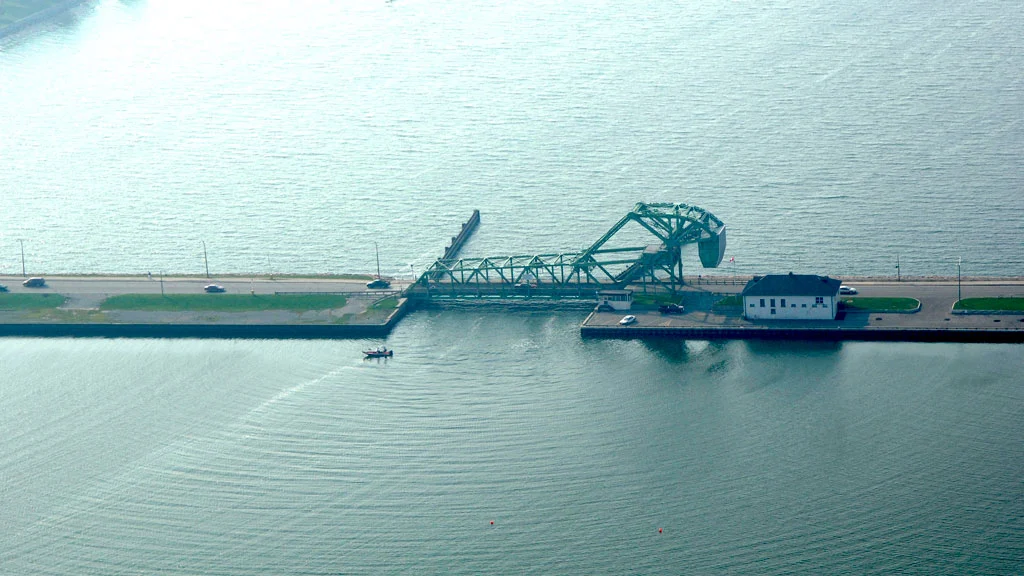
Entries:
{"x":641,"y":276}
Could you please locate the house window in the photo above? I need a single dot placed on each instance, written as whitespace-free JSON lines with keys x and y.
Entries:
{"x":819,"y":299}
{"x":773,"y":302}
{"x":783,"y":302}
{"x":803,"y":305}
{"x":793,"y":306}
{"x":773,"y":310}
{"x":762,"y":302}
{"x":751,"y":304}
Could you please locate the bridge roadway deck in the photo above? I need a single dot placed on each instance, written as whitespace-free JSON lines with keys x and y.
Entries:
{"x":934,"y":321}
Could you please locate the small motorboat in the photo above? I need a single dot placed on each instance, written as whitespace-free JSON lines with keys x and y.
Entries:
{"x":380,"y":352}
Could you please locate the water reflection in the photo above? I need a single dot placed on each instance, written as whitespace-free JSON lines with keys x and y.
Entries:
{"x":811,"y":348}
{"x":676,"y":351}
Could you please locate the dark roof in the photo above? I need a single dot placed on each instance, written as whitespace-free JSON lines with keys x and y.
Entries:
{"x":792,"y":285}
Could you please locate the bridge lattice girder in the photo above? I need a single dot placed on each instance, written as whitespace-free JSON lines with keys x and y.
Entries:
{"x":673,"y":225}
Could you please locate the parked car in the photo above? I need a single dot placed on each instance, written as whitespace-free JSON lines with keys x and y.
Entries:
{"x":627,"y":320}
{"x":378,"y":284}
{"x":35,"y":282}
{"x":214,"y":288}
{"x":671,"y":309}
{"x":3,"y":288}
{"x":847,"y":289}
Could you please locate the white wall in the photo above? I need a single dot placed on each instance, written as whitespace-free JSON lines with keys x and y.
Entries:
{"x":797,"y":308}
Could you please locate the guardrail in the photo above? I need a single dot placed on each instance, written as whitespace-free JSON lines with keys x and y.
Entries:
{"x":721,"y":281}
{"x":350,"y":293}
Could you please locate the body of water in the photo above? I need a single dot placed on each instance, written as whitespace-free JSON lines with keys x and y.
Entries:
{"x":232,"y":457}
{"x":289,"y":136}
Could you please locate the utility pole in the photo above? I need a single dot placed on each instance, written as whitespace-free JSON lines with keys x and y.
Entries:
{"x":205,"y":259}
{"x":161,"y":282}
{"x":23,"y":258}
{"x":897,"y":267}
{"x":958,"y":259}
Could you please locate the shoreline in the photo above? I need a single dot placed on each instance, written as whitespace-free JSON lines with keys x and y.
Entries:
{"x":823,"y":334}
{"x":38,"y":17}
{"x":80,"y":313}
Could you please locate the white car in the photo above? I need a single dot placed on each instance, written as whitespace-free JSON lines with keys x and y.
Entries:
{"x":847,"y":290}
{"x":627,"y":320}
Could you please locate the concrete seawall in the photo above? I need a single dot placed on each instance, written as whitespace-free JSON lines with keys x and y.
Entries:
{"x":240,"y":331}
{"x":821,"y":334}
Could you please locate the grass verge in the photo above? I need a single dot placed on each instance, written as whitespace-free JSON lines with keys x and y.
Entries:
{"x":655,"y":299}
{"x":30,"y":301}
{"x":389,"y":303}
{"x":734,"y":300}
{"x":880,"y":304}
{"x":1005,"y":304}
{"x":223,"y":302}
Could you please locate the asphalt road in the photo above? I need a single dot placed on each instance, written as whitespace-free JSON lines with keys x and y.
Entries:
{"x":111,"y":285}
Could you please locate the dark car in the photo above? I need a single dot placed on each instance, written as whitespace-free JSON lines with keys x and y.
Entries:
{"x":36,"y":282}
{"x":3,"y":288}
{"x":214,"y":288}
{"x":671,"y":309}
{"x":378,"y":284}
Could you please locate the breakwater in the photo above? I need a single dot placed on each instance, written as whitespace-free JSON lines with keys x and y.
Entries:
{"x":468,"y":227}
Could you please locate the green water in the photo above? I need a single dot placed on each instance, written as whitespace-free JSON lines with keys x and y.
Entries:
{"x":288,"y":137}
{"x":256,"y":457}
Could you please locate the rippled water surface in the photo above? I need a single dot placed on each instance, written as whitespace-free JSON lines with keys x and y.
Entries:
{"x":230,"y":457}
{"x":291,"y":135}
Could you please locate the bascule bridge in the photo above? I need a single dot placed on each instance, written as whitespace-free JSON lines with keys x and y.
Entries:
{"x":644,"y":248}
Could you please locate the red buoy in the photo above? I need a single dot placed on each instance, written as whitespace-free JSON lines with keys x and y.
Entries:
{"x":492,"y":522}
{"x":659,"y":530}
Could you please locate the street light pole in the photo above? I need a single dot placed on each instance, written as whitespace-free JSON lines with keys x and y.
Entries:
{"x":161,"y":282}
{"x":23,"y":258}
{"x":897,"y":267}
{"x":958,"y":259}
{"x":207,"y":261}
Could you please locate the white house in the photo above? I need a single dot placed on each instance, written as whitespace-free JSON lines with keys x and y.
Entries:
{"x":615,"y":299}
{"x":791,"y":297}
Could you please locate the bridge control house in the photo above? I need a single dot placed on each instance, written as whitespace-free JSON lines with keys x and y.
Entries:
{"x":791,"y":297}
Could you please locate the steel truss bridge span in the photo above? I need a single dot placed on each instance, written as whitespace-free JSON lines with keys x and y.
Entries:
{"x":614,"y":261}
